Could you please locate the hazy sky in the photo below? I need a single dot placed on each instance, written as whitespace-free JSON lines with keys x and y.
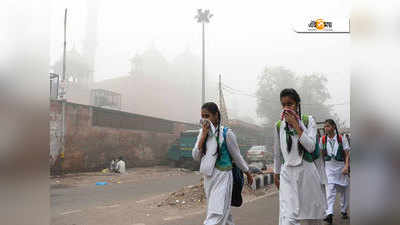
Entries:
{"x":242,"y":38}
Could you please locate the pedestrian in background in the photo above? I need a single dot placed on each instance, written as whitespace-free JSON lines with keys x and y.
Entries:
{"x":60,"y":164}
{"x":337,"y":157}
{"x":113,"y":165}
{"x":121,"y":166}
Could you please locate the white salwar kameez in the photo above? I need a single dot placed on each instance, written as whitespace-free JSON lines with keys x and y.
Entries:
{"x":218,"y":186}
{"x":337,"y":182}
{"x":320,"y":164}
{"x":301,"y":196}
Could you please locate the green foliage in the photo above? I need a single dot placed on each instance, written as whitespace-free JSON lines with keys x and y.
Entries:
{"x":312,"y":89}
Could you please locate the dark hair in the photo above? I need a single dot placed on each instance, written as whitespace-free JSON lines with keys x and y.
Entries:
{"x":292,"y":93}
{"x":333,"y":124}
{"x":120,"y":158}
{"x":348,"y":138}
{"x":213,"y":108}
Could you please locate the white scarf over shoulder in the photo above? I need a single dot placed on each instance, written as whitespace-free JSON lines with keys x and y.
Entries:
{"x":208,"y":160}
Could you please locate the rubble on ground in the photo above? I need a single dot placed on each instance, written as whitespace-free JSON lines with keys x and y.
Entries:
{"x":187,"y":197}
{"x":193,"y":196}
{"x":183,"y":170}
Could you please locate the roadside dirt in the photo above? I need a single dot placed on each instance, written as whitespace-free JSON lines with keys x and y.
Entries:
{"x":132,"y":175}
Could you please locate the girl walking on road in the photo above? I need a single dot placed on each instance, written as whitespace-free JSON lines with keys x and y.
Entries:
{"x":337,"y":156}
{"x":301,"y":197}
{"x":217,"y":148}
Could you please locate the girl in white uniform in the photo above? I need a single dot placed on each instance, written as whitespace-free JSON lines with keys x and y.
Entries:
{"x":301,"y":196}
{"x":337,"y":154}
{"x":218,"y":184}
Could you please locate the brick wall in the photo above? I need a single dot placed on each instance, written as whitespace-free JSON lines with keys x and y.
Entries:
{"x":95,"y":135}
{"x":55,"y":127}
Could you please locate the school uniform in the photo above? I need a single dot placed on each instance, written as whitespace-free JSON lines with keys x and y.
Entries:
{"x":301,"y":197}
{"x":320,"y":164}
{"x":337,"y":182}
{"x":218,"y":185}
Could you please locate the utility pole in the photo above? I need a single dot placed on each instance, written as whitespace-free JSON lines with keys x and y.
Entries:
{"x":63,"y":95}
{"x":64,"y":50}
{"x":222,"y":105}
{"x":203,"y":17}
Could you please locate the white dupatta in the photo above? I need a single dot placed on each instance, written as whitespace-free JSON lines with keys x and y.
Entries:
{"x":208,"y":161}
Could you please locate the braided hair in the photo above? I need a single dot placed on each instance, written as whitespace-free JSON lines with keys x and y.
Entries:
{"x":213,"y":108}
{"x":292,"y":93}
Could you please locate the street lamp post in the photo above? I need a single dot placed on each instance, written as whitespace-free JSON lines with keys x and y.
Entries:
{"x":203,"y":17}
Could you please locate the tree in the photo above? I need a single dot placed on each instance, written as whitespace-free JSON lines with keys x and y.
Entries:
{"x":270,"y":83}
{"x":311,"y":88}
{"x":341,"y":124}
{"x":314,"y":93}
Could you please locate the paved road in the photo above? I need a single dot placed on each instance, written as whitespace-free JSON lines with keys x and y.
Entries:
{"x":66,"y":202}
{"x":263,"y":211}
{"x":69,"y":199}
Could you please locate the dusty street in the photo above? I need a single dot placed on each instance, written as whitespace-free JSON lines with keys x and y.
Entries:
{"x":77,"y":200}
{"x":260,"y":211}
{"x":135,"y":199}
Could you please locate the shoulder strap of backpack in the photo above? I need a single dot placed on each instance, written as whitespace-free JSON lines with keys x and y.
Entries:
{"x":340,"y":153}
{"x":278,"y":126}
{"x":340,"y":139}
{"x":224,"y":132}
{"x":304,"y":118}
{"x":324,"y":139}
{"x":316,"y":153}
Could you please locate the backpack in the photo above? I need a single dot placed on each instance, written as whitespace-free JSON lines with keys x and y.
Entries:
{"x":309,"y":157}
{"x":238,"y":181}
{"x":340,"y":152}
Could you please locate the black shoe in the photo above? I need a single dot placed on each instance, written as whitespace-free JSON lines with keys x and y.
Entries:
{"x":329,"y":219}
{"x":344,"y":216}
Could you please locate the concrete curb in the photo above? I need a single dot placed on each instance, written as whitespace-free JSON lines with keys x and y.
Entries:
{"x":262,"y":180}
